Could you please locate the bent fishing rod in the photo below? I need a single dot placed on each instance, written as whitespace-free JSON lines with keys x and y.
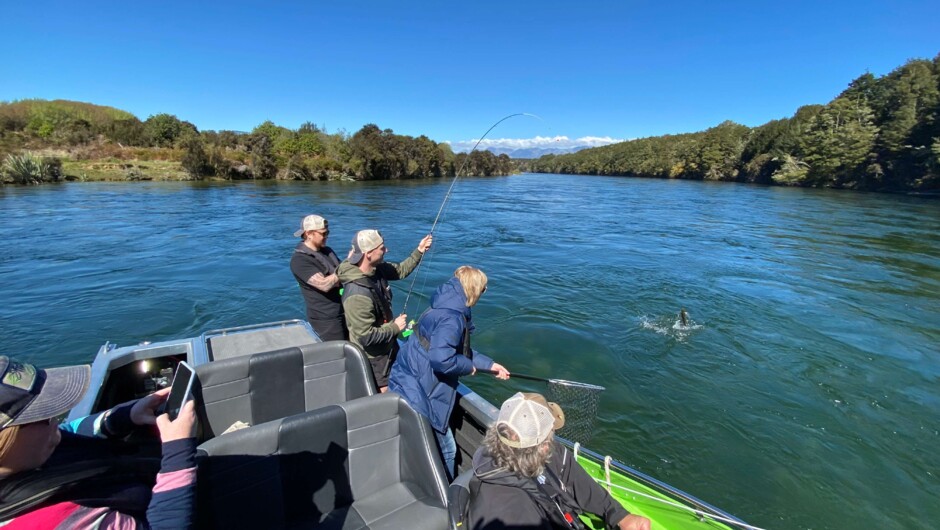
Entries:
{"x":447,"y":197}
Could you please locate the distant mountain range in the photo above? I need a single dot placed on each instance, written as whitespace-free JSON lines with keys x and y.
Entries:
{"x":535,"y":152}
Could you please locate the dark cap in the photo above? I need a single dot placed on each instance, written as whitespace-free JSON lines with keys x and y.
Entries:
{"x":29,"y":394}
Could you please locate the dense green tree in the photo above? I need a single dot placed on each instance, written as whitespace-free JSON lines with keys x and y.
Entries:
{"x":838,"y":143}
{"x":162,"y":130}
{"x":720,"y":151}
{"x":912,"y":94}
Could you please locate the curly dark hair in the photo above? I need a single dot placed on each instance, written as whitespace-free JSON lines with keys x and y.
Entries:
{"x":528,"y":461}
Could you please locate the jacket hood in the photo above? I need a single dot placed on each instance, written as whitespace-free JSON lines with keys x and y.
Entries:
{"x":485,"y":469}
{"x":451,"y":296}
{"x":348,"y":272}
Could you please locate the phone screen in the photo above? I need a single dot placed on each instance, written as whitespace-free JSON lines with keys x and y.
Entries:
{"x":180,"y":390}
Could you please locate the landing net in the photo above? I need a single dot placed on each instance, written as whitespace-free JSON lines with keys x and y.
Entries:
{"x":579,"y":402}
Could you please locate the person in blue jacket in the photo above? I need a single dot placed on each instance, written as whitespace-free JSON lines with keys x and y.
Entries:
{"x":438,"y":352}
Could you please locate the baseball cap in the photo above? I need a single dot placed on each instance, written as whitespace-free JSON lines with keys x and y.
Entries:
{"x":531,"y":417}
{"x":311,"y":222}
{"x":364,"y":241}
{"x":29,"y":394}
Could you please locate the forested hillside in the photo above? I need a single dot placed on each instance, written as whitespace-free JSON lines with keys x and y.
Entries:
{"x":51,"y":140}
{"x":880,"y":134}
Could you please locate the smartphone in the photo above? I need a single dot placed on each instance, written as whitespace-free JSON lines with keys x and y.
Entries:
{"x":181,"y":389}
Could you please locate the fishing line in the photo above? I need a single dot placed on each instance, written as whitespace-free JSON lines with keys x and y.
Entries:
{"x":447,"y":198}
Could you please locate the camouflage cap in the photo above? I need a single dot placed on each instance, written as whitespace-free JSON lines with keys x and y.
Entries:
{"x":29,"y":394}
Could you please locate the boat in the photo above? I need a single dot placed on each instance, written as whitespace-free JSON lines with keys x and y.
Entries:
{"x":120,"y":374}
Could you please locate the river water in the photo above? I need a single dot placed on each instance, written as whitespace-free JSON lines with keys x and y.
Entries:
{"x":802,"y":394}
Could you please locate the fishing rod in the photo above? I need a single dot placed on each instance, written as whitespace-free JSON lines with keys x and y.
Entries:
{"x":447,"y":197}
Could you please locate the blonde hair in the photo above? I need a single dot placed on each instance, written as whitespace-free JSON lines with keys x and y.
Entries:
{"x":473,"y":281}
{"x":7,"y":439}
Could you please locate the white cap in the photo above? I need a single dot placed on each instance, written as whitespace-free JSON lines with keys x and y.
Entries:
{"x":364,"y":241}
{"x":531,"y":417}
{"x":311,"y":222}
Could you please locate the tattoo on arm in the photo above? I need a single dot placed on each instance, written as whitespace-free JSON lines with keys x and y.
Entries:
{"x":323,"y":283}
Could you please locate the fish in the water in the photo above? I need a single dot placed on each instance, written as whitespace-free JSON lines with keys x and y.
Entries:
{"x":683,"y":317}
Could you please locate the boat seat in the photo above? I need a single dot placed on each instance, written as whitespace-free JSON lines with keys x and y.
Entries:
{"x":370,"y":463}
{"x":253,"y":389}
{"x":458,"y":500}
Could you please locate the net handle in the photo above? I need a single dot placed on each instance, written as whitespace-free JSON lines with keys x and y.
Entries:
{"x":573,"y":384}
{"x":517,"y":374}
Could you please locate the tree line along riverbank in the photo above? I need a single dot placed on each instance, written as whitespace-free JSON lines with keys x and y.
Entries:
{"x":48,"y":141}
{"x":879,"y":134}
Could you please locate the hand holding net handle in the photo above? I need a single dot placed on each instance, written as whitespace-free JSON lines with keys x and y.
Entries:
{"x":558,"y":382}
{"x":516,"y":374}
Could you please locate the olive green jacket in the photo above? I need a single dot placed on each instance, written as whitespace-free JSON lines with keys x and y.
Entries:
{"x":367,"y":325}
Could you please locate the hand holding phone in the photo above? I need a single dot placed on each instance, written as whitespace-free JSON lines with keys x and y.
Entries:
{"x":184,"y":426}
{"x":180,"y":391}
{"x":147,"y":408}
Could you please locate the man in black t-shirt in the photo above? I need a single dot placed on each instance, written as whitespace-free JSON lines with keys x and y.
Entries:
{"x":314,"y":267}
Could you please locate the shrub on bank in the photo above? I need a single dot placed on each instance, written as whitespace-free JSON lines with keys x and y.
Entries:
{"x":27,"y":168}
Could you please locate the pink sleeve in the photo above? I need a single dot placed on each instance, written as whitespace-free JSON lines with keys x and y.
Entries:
{"x":175,"y":479}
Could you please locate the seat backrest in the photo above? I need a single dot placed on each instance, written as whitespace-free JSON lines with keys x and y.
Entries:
{"x":458,"y":500}
{"x":311,"y":468}
{"x":262,"y":387}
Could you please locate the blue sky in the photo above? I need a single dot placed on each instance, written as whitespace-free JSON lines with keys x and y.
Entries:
{"x":449,"y":70}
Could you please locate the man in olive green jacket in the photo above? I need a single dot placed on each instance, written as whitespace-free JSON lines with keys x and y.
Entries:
{"x":367,"y":298}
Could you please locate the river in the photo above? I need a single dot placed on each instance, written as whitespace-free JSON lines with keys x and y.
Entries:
{"x":803,"y":394}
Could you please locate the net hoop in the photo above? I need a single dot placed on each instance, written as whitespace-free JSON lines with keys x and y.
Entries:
{"x":576,"y":384}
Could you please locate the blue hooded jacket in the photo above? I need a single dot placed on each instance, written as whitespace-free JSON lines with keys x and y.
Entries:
{"x":427,"y":378}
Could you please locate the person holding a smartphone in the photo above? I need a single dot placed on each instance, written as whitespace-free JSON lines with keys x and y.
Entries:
{"x":83,"y":474}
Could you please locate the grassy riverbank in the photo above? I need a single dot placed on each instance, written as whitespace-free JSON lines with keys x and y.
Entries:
{"x":83,"y":141}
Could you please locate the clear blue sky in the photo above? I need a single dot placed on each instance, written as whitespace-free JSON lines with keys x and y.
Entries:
{"x":622,"y":69}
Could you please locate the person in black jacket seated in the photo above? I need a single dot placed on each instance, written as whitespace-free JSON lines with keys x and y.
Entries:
{"x":527,"y":481}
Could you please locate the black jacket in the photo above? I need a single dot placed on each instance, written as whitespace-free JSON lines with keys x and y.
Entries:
{"x":506,"y":501}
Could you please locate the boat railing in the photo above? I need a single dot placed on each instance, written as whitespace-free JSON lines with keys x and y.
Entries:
{"x":478,"y":407}
{"x":607,"y":462}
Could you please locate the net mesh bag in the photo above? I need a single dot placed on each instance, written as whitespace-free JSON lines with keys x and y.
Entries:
{"x":579,"y":402}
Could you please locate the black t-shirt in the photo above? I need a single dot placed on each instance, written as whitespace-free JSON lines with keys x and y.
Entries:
{"x":304,"y":264}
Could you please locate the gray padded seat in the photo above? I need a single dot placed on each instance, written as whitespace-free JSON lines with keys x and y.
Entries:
{"x":272,"y":385}
{"x":370,"y":463}
{"x":458,"y":500}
